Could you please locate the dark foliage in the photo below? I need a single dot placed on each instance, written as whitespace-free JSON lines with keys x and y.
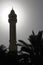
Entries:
{"x":29,"y":54}
{"x":37,"y":43}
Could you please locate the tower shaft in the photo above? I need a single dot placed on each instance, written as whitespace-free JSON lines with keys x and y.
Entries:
{"x":12,"y":46}
{"x":12,"y":21}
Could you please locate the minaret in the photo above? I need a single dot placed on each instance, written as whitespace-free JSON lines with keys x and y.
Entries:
{"x":12,"y":21}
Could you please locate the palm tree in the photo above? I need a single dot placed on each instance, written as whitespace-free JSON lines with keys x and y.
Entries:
{"x":31,"y":53}
{"x":36,"y":41}
{"x":26,"y":52}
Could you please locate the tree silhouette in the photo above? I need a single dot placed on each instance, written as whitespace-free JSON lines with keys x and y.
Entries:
{"x":26,"y":52}
{"x":3,"y":50}
{"x":36,"y":41}
{"x":33,"y":51}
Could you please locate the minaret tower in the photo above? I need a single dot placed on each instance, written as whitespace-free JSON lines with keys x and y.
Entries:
{"x":12,"y":21}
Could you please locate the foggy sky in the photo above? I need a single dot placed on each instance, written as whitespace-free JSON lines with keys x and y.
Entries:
{"x":31,"y":19}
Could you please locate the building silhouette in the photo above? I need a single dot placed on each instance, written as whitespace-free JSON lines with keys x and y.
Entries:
{"x":12,"y":21}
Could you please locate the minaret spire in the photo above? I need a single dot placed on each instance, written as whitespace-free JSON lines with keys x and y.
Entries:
{"x":12,"y":7}
{"x":12,"y":21}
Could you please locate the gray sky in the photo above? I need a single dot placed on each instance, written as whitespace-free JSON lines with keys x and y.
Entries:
{"x":29,"y":17}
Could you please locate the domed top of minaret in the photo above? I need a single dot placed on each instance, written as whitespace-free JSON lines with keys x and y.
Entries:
{"x":12,"y":16}
{"x":12,"y":12}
